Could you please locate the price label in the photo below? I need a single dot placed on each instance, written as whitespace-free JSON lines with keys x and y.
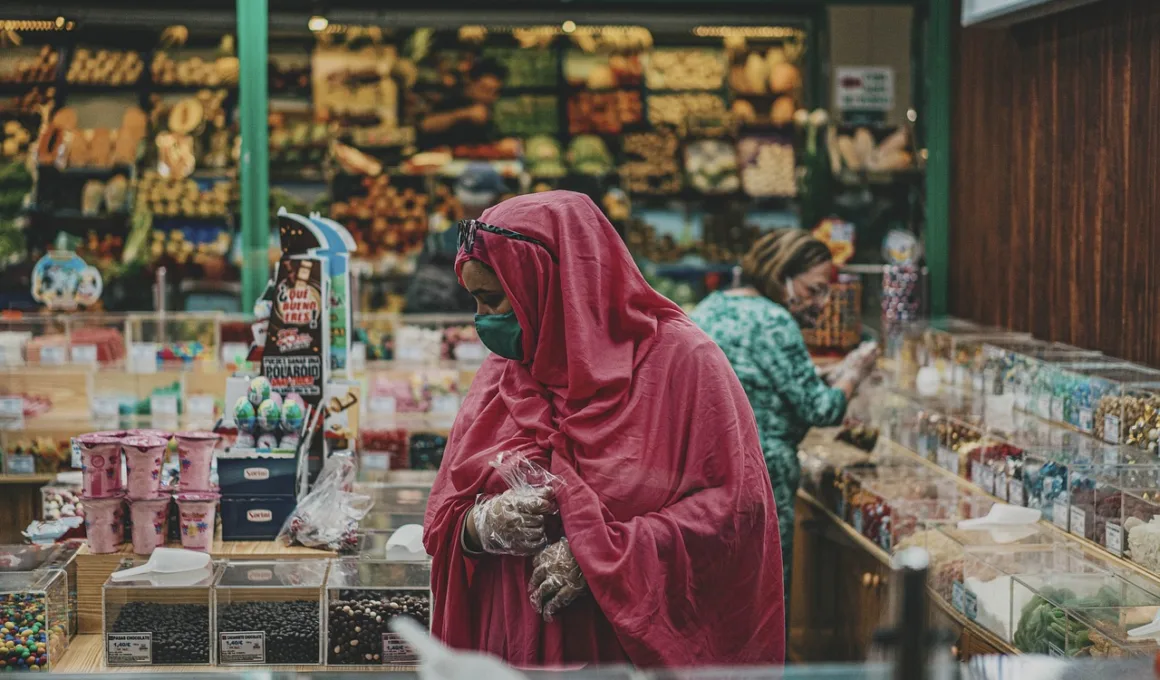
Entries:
{"x":84,"y":354}
{"x":129,"y":649}
{"x":106,"y":407}
{"x":1114,"y":539}
{"x":381,"y":406}
{"x":1021,"y":397}
{"x":12,"y":412}
{"x":978,"y":382}
{"x":948,"y":460}
{"x":396,"y":652}
{"x":243,"y":647}
{"x":21,"y":465}
{"x":1111,"y":428}
{"x":1059,"y":514}
{"x":927,"y":442}
{"x":957,"y":599}
{"x":143,"y":357}
{"x":75,"y":454}
{"x":358,"y":355}
{"x":1015,"y":493}
{"x":1085,"y":420}
{"x":201,"y":406}
{"x":977,"y":473}
{"x":857,"y":519}
{"x":378,"y":462}
{"x":970,"y":605}
{"x":1043,"y":406}
{"x":1078,"y":521}
{"x":234,"y":353}
{"x":1057,"y":409}
{"x":163,"y":404}
{"x":53,"y":355}
{"x":988,"y":479}
{"x":1001,"y":485}
{"x":10,"y":355}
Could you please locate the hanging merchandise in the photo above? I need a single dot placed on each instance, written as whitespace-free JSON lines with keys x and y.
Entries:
{"x":901,"y":277}
{"x":61,"y":280}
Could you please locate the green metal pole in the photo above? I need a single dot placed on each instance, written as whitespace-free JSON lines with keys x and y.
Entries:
{"x":940,"y":23}
{"x":252,"y":41}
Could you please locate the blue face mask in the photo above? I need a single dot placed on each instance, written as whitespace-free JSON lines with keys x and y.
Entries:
{"x":501,"y":333}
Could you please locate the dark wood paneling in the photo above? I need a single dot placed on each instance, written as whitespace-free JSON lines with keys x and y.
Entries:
{"x":1056,"y":178}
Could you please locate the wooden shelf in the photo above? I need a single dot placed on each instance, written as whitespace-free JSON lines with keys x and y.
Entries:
{"x":38,"y":480}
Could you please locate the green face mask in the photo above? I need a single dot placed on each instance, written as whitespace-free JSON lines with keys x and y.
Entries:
{"x":501,"y":333}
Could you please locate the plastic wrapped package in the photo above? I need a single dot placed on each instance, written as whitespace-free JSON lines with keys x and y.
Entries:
{"x":512,"y":523}
{"x":1078,"y":391}
{"x":328,"y":517}
{"x":270,"y":612}
{"x":362,"y":597}
{"x":159,"y":619}
{"x":30,"y":598}
{"x":1058,"y":612}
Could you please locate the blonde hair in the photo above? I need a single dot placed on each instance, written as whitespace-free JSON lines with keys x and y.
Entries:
{"x":779,"y":255}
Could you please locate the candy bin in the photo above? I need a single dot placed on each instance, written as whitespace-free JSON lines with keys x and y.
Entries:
{"x":1081,"y":390}
{"x":1050,"y":384}
{"x":985,"y":590}
{"x":381,"y":450}
{"x":61,"y":500}
{"x":1059,"y":612}
{"x":64,"y":558}
{"x":905,"y":344}
{"x":958,"y":437}
{"x":1094,"y":495}
{"x":1130,"y":418}
{"x":992,"y":464}
{"x":953,"y":353}
{"x":270,"y":613}
{"x":35,"y":618}
{"x":1045,"y":480}
{"x":159,"y":619}
{"x":395,"y":504}
{"x":177,"y":339}
{"x":1010,"y":366}
{"x":362,"y":596}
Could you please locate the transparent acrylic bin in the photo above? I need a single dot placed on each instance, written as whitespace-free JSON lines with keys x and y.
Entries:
{"x":64,"y":558}
{"x":956,"y":354}
{"x":22,"y":339}
{"x":1132,"y":418}
{"x":270,"y":613}
{"x":395,"y":504}
{"x":179,"y":341}
{"x":1096,"y":491}
{"x":1010,"y":368}
{"x":159,"y":619}
{"x":362,"y":597}
{"x":1046,"y":380}
{"x":37,"y":602}
{"x":1077,"y":393}
{"x":958,"y":437}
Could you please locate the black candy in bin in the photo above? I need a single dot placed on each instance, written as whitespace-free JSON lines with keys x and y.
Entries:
{"x":362,"y":598}
{"x":270,"y":613}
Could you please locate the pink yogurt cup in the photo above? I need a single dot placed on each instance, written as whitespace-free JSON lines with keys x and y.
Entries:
{"x":100,"y":465}
{"x":149,"y":517}
{"x":104,"y":524}
{"x":144,"y":456}
{"x":197,"y":511}
{"x":195,"y":451}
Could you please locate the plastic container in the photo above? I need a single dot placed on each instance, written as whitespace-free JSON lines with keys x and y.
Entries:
{"x":150,"y":518}
{"x":143,"y":457}
{"x":257,"y":474}
{"x":270,"y":613}
{"x":255,"y":518}
{"x":159,"y":619}
{"x":100,"y":465}
{"x":195,"y":451}
{"x":196,"y":514}
{"x":64,"y":558}
{"x":104,"y":524}
{"x":28,"y":599}
{"x":362,"y":597}
{"x":1078,"y":392}
{"x":1047,"y":376}
{"x":395,"y":504}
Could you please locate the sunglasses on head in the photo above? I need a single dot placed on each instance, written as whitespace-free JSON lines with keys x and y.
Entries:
{"x":469,"y":228}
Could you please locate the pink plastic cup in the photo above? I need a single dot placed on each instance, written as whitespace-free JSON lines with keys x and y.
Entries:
{"x":144,"y":456}
{"x":104,"y":524}
{"x":195,"y":451}
{"x":196,"y":510}
{"x":100,"y":465}
{"x":149,"y":517}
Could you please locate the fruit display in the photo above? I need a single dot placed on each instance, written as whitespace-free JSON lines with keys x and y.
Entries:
{"x":601,"y":71}
{"x":757,"y":73}
{"x":387,"y":219}
{"x":543,"y":157}
{"x":105,"y":67}
{"x":193,"y":71}
{"x":685,"y":69}
{"x":50,"y":456}
{"x":860,"y":151}
{"x":767,"y":167}
{"x":16,"y":139}
{"x":711,"y":165}
{"x":297,"y":143}
{"x":603,"y":112}
{"x":526,"y":115}
{"x":684,"y":111}
{"x":589,"y":155}
{"x":30,"y":67}
{"x":652,"y":166}
{"x":526,"y":68}
{"x":168,"y":197}
{"x":288,"y":77}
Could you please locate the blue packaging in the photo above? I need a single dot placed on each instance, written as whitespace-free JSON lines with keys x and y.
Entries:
{"x":255,"y":518}
{"x":250,"y":473}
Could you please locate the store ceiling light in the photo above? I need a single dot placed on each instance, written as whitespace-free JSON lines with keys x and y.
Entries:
{"x":568,"y":26}
{"x":317,"y":23}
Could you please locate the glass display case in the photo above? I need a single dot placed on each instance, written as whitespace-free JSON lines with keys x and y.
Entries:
{"x":270,"y":612}
{"x":395,"y":504}
{"x":1130,"y":418}
{"x":1096,"y":492}
{"x":958,"y":355}
{"x":64,"y":558}
{"x":959,"y":436}
{"x":362,"y":596}
{"x":35,"y":612}
{"x":1078,"y":391}
{"x":1045,"y":380}
{"x":905,"y":344}
{"x":159,"y":619}
{"x":174,"y":341}
{"x":1058,"y":612}
{"x":1009,"y":369}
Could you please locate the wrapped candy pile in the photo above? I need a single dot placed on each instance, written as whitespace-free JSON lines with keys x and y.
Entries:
{"x":265,"y":420}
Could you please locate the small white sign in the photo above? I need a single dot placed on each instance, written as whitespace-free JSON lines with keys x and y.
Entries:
{"x":1111,"y":429}
{"x":864,"y":88}
{"x":977,"y":473}
{"x":473,"y":352}
{"x":106,"y":406}
{"x":75,"y":454}
{"x":358,"y":356}
{"x":381,"y":406}
{"x":243,"y":647}
{"x":1000,"y":486}
{"x":129,"y":649}
{"x":84,"y":354}
{"x":378,"y":462}
{"x":410,"y":354}
{"x":1059,"y":514}
{"x":1078,"y":521}
{"x":163,"y":404}
{"x":12,"y":413}
{"x":1043,"y":406}
{"x":143,"y":357}
{"x":1057,"y":409}
{"x":53,"y":355}
{"x":396,"y":652}
{"x":1015,"y":493}
{"x":201,"y":406}
{"x":23,"y":464}
{"x":445,"y":404}
{"x":1085,"y":420}
{"x":988,"y":479}
{"x":948,"y":460}
{"x":233,"y":353}
{"x":1114,"y":539}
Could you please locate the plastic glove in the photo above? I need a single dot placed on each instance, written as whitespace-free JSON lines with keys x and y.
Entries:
{"x":512,"y":523}
{"x":557,"y":580}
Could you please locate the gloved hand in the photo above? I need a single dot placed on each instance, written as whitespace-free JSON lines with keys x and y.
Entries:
{"x":557,"y":580}
{"x":512,"y":523}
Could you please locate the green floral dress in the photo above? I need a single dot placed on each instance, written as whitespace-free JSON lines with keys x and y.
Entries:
{"x":765,"y":347}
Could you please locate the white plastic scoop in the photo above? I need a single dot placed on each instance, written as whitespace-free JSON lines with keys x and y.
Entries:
{"x":1148,"y":630}
{"x":1005,"y":523}
{"x":438,"y":662}
{"x":166,"y":561}
{"x":406,"y":544}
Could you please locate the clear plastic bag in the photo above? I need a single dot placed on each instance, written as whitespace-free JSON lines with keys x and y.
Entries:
{"x":513,"y":522}
{"x":327,"y":518}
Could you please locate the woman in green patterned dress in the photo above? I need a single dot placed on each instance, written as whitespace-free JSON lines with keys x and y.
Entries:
{"x":785,"y":284}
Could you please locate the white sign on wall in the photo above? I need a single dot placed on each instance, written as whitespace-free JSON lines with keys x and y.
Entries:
{"x":864,"y":88}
